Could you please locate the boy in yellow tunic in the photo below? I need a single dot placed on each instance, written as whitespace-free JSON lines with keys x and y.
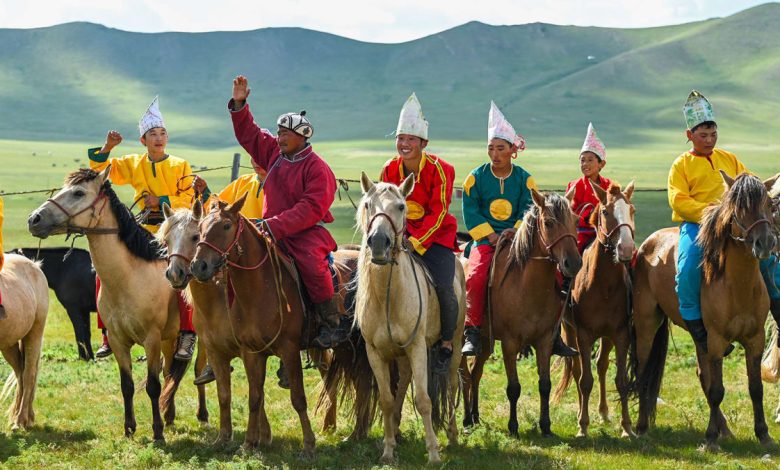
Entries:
{"x":2,"y":258}
{"x":155,"y":176}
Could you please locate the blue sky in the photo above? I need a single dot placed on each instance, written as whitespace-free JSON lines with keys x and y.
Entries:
{"x":375,"y":21}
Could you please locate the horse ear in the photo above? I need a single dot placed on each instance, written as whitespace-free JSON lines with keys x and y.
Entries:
{"x":600,"y":193}
{"x":769,"y":184}
{"x":197,"y":210}
{"x":167,"y":211}
{"x":103,"y":176}
{"x":537,"y":197}
{"x":629,"y":191}
{"x":365,"y":182}
{"x":237,"y":205}
{"x":408,"y":185}
{"x":570,"y":194}
{"x":727,"y":179}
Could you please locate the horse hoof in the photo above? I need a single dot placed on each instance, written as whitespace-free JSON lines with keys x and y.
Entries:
{"x":387,"y":459}
{"x":604,"y":417}
{"x":434,"y":460}
{"x":768,"y":443}
{"x":710,"y":447}
{"x":726,"y":434}
{"x":308,"y":454}
{"x":628,"y":434}
{"x":581,"y":434}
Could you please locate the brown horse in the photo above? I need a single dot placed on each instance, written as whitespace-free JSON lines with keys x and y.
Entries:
{"x":524,"y":301}
{"x":180,"y":235}
{"x":600,"y":307}
{"x":733,"y":236}
{"x":136,"y":303}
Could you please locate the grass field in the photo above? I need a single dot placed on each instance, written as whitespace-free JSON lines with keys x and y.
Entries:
{"x":79,"y":407}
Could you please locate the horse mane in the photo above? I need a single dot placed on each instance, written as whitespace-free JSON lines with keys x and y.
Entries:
{"x":523,"y":244}
{"x":746,"y":195}
{"x":179,"y":215}
{"x":139,"y":241}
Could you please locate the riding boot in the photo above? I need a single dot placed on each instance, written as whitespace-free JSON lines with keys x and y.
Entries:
{"x":328,"y":315}
{"x":441,"y":363}
{"x":699,"y":335}
{"x":207,"y":375}
{"x":472,"y":346}
{"x":281,"y":374}
{"x":560,"y":348}
{"x":774,"y":309}
{"x":105,"y":349}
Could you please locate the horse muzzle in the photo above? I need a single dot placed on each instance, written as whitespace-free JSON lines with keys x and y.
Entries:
{"x":570,"y":265}
{"x":202,"y":270}
{"x":39,"y":225}
{"x":380,"y":248}
{"x":177,"y":277}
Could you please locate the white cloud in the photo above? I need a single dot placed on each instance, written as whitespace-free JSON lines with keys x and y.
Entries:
{"x":385,"y":21}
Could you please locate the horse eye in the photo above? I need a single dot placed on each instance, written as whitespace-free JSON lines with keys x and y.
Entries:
{"x":195,"y":238}
{"x":226,"y":226}
{"x":401,"y":207}
{"x":548,"y":223}
{"x":604,"y":212}
{"x":78,"y":193}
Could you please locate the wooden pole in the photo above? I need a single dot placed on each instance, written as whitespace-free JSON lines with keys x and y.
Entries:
{"x":236,"y":164}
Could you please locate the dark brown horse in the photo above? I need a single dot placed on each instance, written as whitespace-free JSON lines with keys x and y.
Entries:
{"x":600,"y":304}
{"x":733,"y":236}
{"x":525,"y":302}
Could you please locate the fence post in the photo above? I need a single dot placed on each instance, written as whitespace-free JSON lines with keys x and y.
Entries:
{"x":236,"y":164}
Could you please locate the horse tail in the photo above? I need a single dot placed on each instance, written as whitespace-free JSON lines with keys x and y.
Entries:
{"x":563,"y":384}
{"x":443,"y":404}
{"x":9,"y":387}
{"x":647,"y":386}
{"x":172,"y":382}
{"x":770,"y":364}
{"x":350,"y":376}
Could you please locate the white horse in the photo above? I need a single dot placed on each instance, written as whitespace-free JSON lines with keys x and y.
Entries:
{"x":398,"y":314}
{"x":26,"y":301}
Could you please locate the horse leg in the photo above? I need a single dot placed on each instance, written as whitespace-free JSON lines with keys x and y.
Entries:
{"x":509,"y":350}
{"x":125,"y":364}
{"x":602,"y":366}
{"x":621,"y":379}
{"x":81,"y":332}
{"x":322,"y":359}
{"x":404,"y":378}
{"x":291,"y":358}
{"x":454,"y":385}
{"x":167,"y":349}
{"x":585,"y":380}
{"x":221,"y":366}
{"x":153,"y":388}
{"x":382,"y":373}
{"x":201,"y":360}
{"x":543,"y":353}
{"x":714,"y":360}
{"x":465,"y":374}
{"x":418,"y":361}
{"x":648,"y":321}
{"x":703,"y":372}
{"x":257,"y":429}
{"x":15,"y":358}
{"x":753,"y":353}
{"x":476,"y":372}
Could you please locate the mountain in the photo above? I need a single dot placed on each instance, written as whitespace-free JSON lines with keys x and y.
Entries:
{"x":75,"y":81}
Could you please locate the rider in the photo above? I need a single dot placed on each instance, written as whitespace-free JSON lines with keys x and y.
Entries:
{"x":154,"y":175}
{"x":695,"y":183}
{"x":496,"y":196}
{"x":593,"y":158}
{"x":301,"y":188}
{"x":430,"y":226}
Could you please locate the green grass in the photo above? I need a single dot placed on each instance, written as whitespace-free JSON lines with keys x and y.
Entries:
{"x":79,"y":406}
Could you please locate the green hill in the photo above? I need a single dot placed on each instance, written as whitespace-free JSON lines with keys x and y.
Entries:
{"x":76,"y":80}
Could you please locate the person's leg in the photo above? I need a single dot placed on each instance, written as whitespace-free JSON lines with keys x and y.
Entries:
{"x":440,"y":261}
{"x":770,"y":270}
{"x":187,"y":337}
{"x":476,"y":296}
{"x":105,"y":349}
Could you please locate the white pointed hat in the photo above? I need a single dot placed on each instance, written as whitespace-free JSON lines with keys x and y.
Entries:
{"x":152,"y":118}
{"x":697,"y":110}
{"x":499,"y":127}
{"x":411,"y":121}
{"x":594,"y":144}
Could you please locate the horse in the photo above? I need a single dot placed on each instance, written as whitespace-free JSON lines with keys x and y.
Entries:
{"x":600,"y":305}
{"x":524,"y":301}
{"x":73,"y":281}
{"x":26,"y":301}
{"x":404,"y":327}
{"x":137,"y":305}
{"x":180,"y":235}
{"x":734,"y":235}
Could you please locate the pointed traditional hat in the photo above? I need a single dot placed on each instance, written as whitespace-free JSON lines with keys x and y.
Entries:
{"x":697,"y":110}
{"x":152,"y":118}
{"x":499,"y":127}
{"x":594,"y":144}
{"x":411,"y":121}
{"x":296,"y":122}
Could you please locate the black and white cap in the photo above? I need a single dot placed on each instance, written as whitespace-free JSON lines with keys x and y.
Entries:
{"x":297,"y":123}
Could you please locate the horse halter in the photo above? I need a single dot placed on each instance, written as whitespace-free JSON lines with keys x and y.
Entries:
{"x":607,"y":243}
{"x":394,"y":247}
{"x":549,"y":246}
{"x":750,"y":228}
{"x":224,"y":254}
{"x":70,"y":229}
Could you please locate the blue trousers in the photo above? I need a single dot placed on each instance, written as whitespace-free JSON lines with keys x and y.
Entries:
{"x":688,"y":277}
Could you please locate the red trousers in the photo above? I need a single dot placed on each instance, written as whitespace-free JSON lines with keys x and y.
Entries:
{"x":477,"y":283}
{"x":310,"y":250}
{"x":185,"y":311}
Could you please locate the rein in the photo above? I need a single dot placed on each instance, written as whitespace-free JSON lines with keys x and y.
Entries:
{"x":234,"y":244}
{"x":747,"y":231}
{"x":79,"y":230}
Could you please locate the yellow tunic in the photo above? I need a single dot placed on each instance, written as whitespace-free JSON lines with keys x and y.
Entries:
{"x":695,"y":182}
{"x":253,"y":207}
{"x":2,"y":257}
{"x":156,"y":178}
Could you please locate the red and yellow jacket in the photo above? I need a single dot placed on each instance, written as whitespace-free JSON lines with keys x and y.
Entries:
{"x":428,"y":218}
{"x":583,"y":204}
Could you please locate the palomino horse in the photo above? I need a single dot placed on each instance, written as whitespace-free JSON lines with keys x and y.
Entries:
{"x":398,"y":314}
{"x":267,"y":316}
{"x":600,"y":307}
{"x":524,"y":301}
{"x":733,"y":236}
{"x":180,"y":235}
{"x":137,"y":305}
{"x":26,"y":301}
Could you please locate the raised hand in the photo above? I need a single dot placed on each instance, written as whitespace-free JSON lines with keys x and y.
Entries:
{"x":241,"y":89}
{"x":113,"y":138}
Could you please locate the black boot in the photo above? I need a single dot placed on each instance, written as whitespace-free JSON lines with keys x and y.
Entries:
{"x":281,"y":374}
{"x":774,"y":309}
{"x":562,"y":349}
{"x":473,"y":344}
{"x":329,"y":335}
{"x":699,"y":335}
{"x":441,"y":364}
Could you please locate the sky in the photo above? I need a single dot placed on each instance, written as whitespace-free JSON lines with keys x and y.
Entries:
{"x":365,"y":20}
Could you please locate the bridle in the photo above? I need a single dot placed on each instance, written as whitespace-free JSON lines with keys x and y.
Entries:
{"x":395,"y":247}
{"x":549,"y":246}
{"x":749,"y":229}
{"x":96,"y":213}
{"x":601,"y":232}
{"x":225,"y":254}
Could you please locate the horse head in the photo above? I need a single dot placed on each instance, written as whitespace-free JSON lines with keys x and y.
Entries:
{"x":746,"y":208}
{"x":557,"y":231}
{"x":614,"y":220}
{"x":78,"y":204}
{"x":381,"y":216}
{"x":219,"y":234}
{"x":180,"y":234}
